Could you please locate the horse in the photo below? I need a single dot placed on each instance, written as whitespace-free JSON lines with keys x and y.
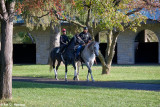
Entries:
{"x":68,"y":57}
{"x":88,"y":55}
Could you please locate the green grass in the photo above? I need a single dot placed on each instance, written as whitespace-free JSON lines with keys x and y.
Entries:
{"x":139,"y":74}
{"x":49,"y":95}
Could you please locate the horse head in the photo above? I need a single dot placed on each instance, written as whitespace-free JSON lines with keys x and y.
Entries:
{"x":96,"y":48}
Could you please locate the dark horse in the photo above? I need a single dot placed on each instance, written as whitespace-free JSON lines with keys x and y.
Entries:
{"x":68,"y":57}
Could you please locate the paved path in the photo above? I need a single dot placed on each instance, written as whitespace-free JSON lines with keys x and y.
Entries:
{"x":104,"y":84}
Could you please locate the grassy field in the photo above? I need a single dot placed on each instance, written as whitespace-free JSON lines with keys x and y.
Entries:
{"x":139,"y":74}
{"x":49,"y":95}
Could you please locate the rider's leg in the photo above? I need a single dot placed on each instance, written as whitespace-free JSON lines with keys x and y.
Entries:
{"x":78,"y":50}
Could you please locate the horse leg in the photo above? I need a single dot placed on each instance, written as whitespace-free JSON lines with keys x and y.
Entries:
{"x":91,"y":63}
{"x":55,"y":70}
{"x":89,"y":72}
{"x":66,"y":72}
{"x":75,"y":71}
{"x":88,"y":76}
{"x":91,"y":75}
{"x":78,"y":66}
{"x":87,"y":64}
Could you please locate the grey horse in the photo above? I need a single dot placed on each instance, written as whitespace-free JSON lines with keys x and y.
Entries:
{"x":88,"y":55}
{"x":68,"y":57}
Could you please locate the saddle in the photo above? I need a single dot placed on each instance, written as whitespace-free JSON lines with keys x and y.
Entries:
{"x":79,"y":56}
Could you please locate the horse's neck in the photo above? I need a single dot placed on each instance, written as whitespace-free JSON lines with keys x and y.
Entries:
{"x":89,"y":49}
{"x":90,"y":46}
{"x":71,"y":44}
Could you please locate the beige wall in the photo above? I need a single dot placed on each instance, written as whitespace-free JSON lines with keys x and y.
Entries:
{"x":126,"y":44}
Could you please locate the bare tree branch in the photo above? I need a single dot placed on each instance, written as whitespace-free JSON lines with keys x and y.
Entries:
{"x":41,"y":16}
{"x":4,"y":10}
{"x":88,"y":17}
{"x":116,"y":2}
{"x":11,"y":10}
{"x":68,"y":20}
{"x":134,"y":11}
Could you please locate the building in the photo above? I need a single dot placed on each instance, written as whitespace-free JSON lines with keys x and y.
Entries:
{"x":132,"y":47}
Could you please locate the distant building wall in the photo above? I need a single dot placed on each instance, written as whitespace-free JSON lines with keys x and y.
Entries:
{"x":42,"y":39}
{"x":42,"y":45}
{"x":126,"y":43}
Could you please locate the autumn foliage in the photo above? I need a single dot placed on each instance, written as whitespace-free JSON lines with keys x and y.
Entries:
{"x":49,"y":6}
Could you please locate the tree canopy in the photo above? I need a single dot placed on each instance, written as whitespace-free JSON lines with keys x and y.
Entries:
{"x":106,"y":14}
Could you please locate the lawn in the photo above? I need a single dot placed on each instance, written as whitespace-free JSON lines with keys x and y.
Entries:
{"x":134,"y":73}
{"x":49,"y":95}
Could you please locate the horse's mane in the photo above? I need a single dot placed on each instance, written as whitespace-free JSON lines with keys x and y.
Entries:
{"x":71,"y":42}
{"x":90,"y":44}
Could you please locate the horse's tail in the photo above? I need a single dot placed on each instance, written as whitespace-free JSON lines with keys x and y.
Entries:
{"x":50,"y":62}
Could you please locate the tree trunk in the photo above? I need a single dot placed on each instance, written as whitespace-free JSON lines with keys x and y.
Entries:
{"x":54,"y":36}
{"x":6,"y":60}
{"x":104,"y":66}
{"x":110,"y":56}
{"x":109,"y":42}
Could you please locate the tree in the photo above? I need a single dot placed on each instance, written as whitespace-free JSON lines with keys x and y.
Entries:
{"x":6,"y":16}
{"x":121,"y":16}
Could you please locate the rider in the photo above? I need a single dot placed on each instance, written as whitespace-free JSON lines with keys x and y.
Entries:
{"x":63,"y":40}
{"x":86,"y":37}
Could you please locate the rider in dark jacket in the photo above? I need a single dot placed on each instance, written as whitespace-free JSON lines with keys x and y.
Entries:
{"x":86,"y":37}
{"x":63,"y":40}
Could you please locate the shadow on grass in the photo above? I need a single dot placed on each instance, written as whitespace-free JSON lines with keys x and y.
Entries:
{"x":138,"y":64}
{"x":50,"y":83}
{"x":141,"y":81}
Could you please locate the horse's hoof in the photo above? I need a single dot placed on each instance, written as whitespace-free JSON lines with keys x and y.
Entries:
{"x":87,"y":80}
{"x":66,"y":80}
{"x":56,"y":79}
{"x":93,"y":81}
{"x":75,"y":77}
